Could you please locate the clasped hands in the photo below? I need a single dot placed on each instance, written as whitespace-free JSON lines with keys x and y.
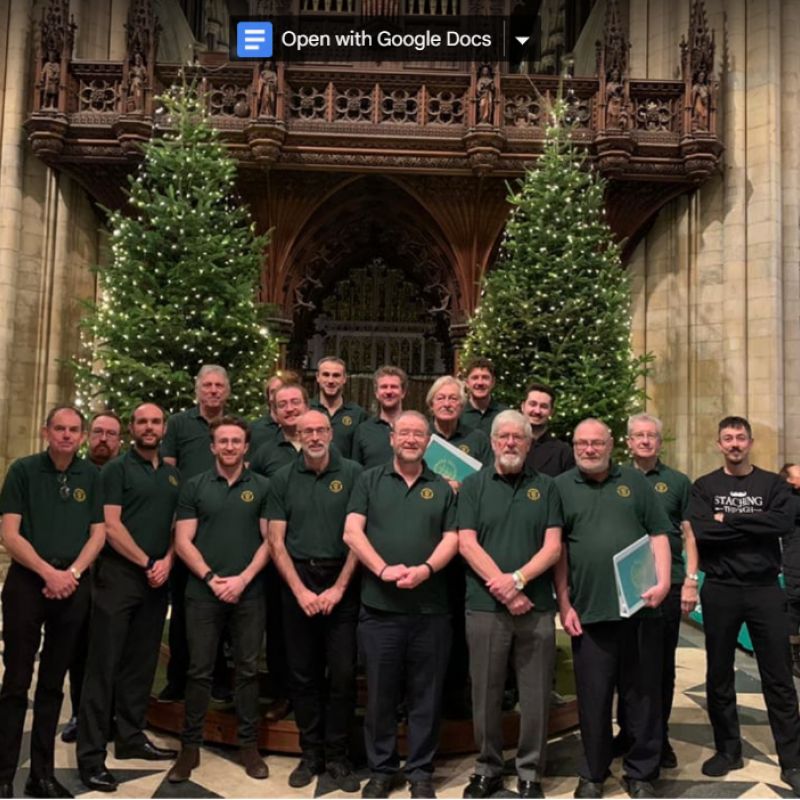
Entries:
{"x":504,"y":591}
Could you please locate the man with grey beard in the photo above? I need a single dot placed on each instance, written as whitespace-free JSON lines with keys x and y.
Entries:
{"x":509,"y":521}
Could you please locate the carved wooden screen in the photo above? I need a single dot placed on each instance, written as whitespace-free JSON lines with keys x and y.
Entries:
{"x":378,"y":316}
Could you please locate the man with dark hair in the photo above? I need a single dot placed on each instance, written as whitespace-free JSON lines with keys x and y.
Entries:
{"x":265,"y":429}
{"x":548,"y":454}
{"x":129,"y":605}
{"x":104,"y":442}
{"x":52,"y":527}
{"x":738,"y":513}
{"x":481,"y":408}
{"x":306,"y":509}
{"x":791,"y":564}
{"x":401,"y":524}
{"x":371,"y":444}
{"x":344,"y":415}
{"x":187,"y":446}
{"x":221,"y":535}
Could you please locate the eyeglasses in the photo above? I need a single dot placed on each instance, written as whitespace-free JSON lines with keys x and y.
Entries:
{"x":314,"y":431}
{"x":509,"y":437}
{"x":63,"y":490}
{"x":585,"y":444}
{"x":641,"y":436}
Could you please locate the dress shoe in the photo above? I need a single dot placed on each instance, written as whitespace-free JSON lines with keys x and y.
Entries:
{"x":792,"y":777}
{"x":70,"y":732}
{"x":423,"y":788}
{"x":668,"y":758}
{"x":529,"y":789}
{"x":483,"y":786}
{"x":305,"y":772}
{"x":188,"y":759}
{"x":45,"y":787}
{"x":277,"y":709}
{"x":378,"y":786}
{"x":253,"y":764}
{"x":637,"y":789}
{"x":98,"y":779}
{"x":341,"y":773}
{"x":7,"y":789}
{"x":171,"y":694}
{"x":721,"y":764}
{"x":144,"y":751}
{"x":588,"y":789}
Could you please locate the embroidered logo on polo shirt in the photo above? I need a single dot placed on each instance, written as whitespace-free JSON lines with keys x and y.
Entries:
{"x":661,"y":487}
{"x":79,"y":495}
{"x":464,"y":448}
{"x":426,"y":494}
{"x":173,"y":480}
{"x":534,"y":494}
{"x":247,"y":496}
{"x":336,"y":486}
{"x":347,"y":421}
{"x":623,"y":490}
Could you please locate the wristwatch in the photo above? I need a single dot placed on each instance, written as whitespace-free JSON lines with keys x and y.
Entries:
{"x":519,"y":580}
{"x":75,"y":573}
{"x":693,"y":576}
{"x":209,"y":576}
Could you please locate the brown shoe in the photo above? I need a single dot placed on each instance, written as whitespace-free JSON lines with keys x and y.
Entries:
{"x":277,"y":709}
{"x":188,"y":759}
{"x":252,"y":762}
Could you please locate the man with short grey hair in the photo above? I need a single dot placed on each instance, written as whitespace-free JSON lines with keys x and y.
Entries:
{"x":509,"y":521}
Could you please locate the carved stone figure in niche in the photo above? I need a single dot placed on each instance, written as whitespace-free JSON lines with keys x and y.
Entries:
{"x":616,"y":112}
{"x":485,"y":95}
{"x":267,"y":90}
{"x":51,"y":80}
{"x":137,"y":79}
{"x":217,"y":18}
{"x":701,"y":101}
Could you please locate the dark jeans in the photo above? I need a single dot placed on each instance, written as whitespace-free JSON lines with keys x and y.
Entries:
{"x":403,"y":651}
{"x":25,"y":611}
{"x":321,"y":653}
{"x":763,"y":608}
{"x":205,"y":622}
{"x":127,"y":622}
{"x":624,"y":654}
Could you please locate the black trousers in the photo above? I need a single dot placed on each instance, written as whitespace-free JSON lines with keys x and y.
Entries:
{"x":277,"y":665}
{"x":321,"y":653}
{"x":671,"y":620}
{"x":457,"y":677}
{"x":625,"y":654}
{"x":206,"y":621}
{"x":25,"y":611}
{"x":403,"y":651}
{"x":763,"y":608}
{"x":125,"y":637}
{"x":77,"y":669}
{"x":793,"y":597}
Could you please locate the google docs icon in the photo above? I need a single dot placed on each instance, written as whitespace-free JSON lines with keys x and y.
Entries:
{"x":254,"y":39}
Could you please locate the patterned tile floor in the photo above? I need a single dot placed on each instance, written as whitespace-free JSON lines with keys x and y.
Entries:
{"x":220,"y":776}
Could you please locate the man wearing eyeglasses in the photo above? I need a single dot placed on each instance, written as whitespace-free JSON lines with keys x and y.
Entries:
{"x":606,"y":508}
{"x":53,"y":529}
{"x":129,"y":602}
{"x":671,"y":489}
{"x":401,"y":524}
{"x":306,"y":508}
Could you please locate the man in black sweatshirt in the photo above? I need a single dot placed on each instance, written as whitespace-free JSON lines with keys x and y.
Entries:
{"x":738,"y":513}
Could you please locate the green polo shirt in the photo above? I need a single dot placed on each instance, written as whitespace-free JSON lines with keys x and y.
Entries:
{"x":57,"y":527}
{"x":188,"y":441}
{"x":600,"y":519}
{"x":344,"y":423}
{"x":510,"y":514}
{"x":471,"y":441}
{"x":262,"y":431}
{"x":672,"y":488}
{"x":404,"y":525}
{"x":148,"y":497}
{"x":371,"y":445}
{"x":474,"y":419}
{"x":313,"y":505}
{"x":228,"y":533}
{"x":270,"y":457}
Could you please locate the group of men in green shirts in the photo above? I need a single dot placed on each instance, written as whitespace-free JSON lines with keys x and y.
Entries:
{"x":324,"y":490}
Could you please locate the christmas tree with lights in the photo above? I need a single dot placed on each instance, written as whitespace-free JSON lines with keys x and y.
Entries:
{"x":555,"y":309}
{"x":181,"y":286}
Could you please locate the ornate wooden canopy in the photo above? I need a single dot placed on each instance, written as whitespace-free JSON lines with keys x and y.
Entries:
{"x":424,"y":154}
